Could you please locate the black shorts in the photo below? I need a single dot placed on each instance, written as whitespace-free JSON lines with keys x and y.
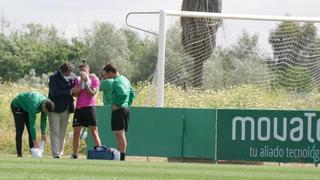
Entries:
{"x":120,"y":119}
{"x":86,"y":116}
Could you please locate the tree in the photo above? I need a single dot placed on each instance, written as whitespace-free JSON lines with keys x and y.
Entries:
{"x":42,"y":48}
{"x":240,"y":63}
{"x":108,"y":44}
{"x":295,"y":49}
{"x":135,"y":45}
{"x":178,"y":71}
{"x":11,"y":68}
{"x":198,"y":34}
{"x":295,"y":79}
{"x":142,"y":55}
{"x":36,"y":47}
{"x":78,"y":50}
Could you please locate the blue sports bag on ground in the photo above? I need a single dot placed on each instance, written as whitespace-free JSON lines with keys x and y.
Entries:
{"x":103,"y":153}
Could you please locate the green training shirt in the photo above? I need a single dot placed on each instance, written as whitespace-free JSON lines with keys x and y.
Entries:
{"x":106,"y":87}
{"x":121,"y":91}
{"x":31,"y":102}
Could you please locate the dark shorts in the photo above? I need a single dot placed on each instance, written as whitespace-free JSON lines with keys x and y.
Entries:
{"x":120,"y":119}
{"x":86,"y":116}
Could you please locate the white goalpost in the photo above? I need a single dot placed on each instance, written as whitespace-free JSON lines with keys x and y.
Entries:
{"x":161,"y":58}
{"x":218,"y":51}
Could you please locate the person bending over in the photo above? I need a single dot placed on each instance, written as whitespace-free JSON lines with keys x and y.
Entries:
{"x":24,"y":108}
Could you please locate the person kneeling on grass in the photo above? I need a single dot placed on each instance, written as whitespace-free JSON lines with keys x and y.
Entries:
{"x":24,"y":109}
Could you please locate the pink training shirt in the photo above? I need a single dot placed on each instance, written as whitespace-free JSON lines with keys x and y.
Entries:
{"x":84,"y":99}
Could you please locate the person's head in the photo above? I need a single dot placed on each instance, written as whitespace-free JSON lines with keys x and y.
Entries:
{"x":109,"y":71}
{"x":65,"y":69}
{"x":84,"y":67}
{"x":48,"y":106}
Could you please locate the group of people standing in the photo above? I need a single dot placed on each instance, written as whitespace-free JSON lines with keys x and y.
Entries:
{"x":63,"y":87}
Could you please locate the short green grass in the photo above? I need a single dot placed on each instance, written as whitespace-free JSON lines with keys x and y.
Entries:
{"x":48,"y":168}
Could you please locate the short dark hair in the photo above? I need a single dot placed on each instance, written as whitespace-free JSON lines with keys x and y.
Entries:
{"x":65,"y":67}
{"x":49,"y":105}
{"x":110,"y":68}
{"x":84,"y":64}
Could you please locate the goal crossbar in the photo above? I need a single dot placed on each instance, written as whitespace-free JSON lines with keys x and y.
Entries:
{"x":241,"y":16}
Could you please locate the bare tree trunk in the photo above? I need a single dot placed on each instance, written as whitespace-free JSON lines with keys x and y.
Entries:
{"x":198,"y":34}
{"x":197,"y":79}
{"x":202,"y":5}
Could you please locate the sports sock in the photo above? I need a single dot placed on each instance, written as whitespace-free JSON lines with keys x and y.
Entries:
{"x":122,"y":156}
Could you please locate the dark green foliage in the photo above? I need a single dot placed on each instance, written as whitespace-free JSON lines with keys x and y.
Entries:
{"x":35,"y":47}
{"x":9,"y":60}
{"x":42,"y":48}
{"x":241,"y":63}
{"x":295,"y":49}
{"x":295,"y":79}
{"x":142,"y":55}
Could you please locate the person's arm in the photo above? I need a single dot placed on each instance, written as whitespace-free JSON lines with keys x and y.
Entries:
{"x":76,"y":89}
{"x":131,"y":96}
{"x":120,"y":95}
{"x":94,"y":87}
{"x":32,"y":127}
{"x":102,"y":85}
{"x":92,"y":91}
{"x":43,"y":125}
{"x":55,"y":91}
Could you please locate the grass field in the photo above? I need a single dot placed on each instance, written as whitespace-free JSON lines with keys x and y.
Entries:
{"x":48,"y":168}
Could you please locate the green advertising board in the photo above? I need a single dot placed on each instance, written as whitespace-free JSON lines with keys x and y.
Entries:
{"x":268,"y":135}
{"x":166,"y":132}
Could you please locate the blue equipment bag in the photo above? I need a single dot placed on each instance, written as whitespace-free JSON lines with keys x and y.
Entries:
{"x":101,"y":152}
